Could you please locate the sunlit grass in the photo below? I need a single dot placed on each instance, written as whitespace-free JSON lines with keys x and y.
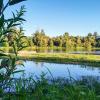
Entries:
{"x":93,"y":60}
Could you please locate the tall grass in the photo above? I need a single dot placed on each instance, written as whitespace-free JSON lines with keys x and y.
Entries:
{"x":53,"y":89}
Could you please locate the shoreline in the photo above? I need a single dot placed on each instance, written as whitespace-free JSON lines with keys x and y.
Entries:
{"x":82,"y":59}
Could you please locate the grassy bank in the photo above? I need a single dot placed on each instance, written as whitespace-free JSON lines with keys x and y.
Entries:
{"x":93,"y":60}
{"x":85,"y":59}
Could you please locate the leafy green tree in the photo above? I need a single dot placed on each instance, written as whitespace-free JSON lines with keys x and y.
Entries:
{"x":60,"y":43}
{"x":68,"y":44}
{"x":40,"y":39}
{"x":78,"y":42}
{"x":89,"y":34}
{"x":92,"y":40}
{"x":66,"y":34}
{"x":87,"y":43}
{"x":95,"y":34}
{"x":65,"y":40}
{"x":51,"y":43}
{"x":30,"y":42}
{"x":98,"y":43}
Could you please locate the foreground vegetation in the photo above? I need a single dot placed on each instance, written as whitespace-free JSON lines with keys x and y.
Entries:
{"x":93,"y":60}
{"x":52,"y":89}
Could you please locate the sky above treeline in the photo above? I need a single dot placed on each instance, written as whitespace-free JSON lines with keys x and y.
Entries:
{"x":78,"y":17}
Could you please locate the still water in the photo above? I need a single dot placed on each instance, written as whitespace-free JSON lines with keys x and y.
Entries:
{"x":58,"y":50}
{"x":74,"y":51}
{"x":57,"y":70}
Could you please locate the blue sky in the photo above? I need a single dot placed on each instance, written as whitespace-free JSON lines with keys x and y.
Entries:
{"x":78,"y":17}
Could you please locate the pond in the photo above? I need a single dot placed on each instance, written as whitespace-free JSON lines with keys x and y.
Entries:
{"x":57,"y":70}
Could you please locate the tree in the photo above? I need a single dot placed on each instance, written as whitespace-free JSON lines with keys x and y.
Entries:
{"x":30,"y":41}
{"x":98,"y":43}
{"x":65,"y":40}
{"x":87,"y":43}
{"x":95,"y":34}
{"x":40,"y":39}
{"x":51,"y":43}
{"x":78,"y":42}
{"x":68,"y":44}
{"x":89,"y":34}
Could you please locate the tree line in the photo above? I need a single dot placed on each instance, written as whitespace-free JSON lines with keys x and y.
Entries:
{"x":40,"y":39}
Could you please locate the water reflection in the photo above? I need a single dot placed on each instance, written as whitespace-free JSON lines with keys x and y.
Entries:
{"x":57,"y":50}
{"x":64,"y":50}
{"x":57,"y":70}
